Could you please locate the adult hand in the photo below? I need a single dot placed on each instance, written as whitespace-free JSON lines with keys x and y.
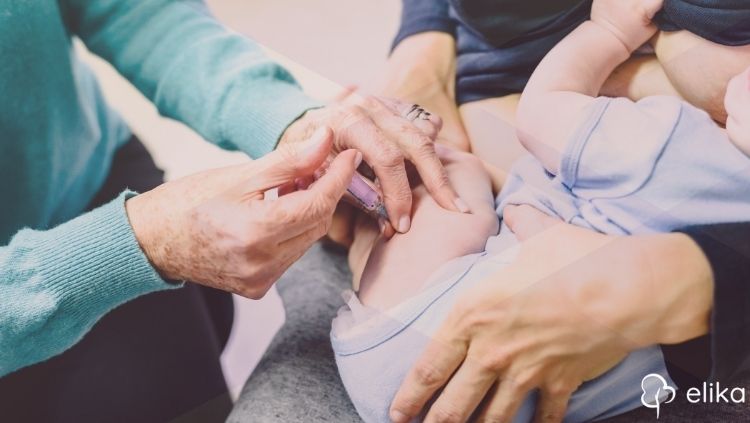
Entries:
{"x":422,"y":69}
{"x":572,"y":304}
{"x":216,"y":229}
{"x":387,"y":132}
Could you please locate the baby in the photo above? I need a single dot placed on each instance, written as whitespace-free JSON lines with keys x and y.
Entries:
{"x":607,"y":164}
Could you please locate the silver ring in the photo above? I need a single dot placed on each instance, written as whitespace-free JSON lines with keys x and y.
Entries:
{"x":417,"y":112}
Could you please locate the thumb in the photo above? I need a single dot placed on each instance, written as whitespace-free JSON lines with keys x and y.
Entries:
{"x":330,"y":188}
{"x":290,"y":161}
{"x":526,"y":221}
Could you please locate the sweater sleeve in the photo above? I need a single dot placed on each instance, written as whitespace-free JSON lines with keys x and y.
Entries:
{"x":55,"y":284}
{"x":193,"y":69}
{"x":727,"y":247}
{"x":419,"y":16}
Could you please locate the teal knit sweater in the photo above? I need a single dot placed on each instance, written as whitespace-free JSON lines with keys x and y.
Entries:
{"x":61,"y":270}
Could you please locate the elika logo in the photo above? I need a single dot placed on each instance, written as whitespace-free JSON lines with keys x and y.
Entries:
{"x":656,"y":391}
{"x":656,"y":388}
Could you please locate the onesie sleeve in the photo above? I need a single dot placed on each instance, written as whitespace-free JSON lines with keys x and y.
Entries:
{"x":615,"y":149}
{"x":656,"y":165}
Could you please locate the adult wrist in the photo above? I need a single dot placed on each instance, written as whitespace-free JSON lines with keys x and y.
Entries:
{"x":137,"y":210}
{"x":648,"y":289}
{"x":426,"y":55}
{"x":422,"y":66}
{"x":681,"y":286}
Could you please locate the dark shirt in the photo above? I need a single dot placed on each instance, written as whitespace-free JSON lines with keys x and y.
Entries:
{"x":727,"y":247}
{"x":724,"y":22}
{"x":500,"y":43}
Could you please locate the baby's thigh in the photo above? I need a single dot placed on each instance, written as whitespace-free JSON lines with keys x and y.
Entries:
{"x":398,"y":268}
{"x":374,"y":350}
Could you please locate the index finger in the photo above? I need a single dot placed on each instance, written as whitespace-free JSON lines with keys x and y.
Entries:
{"x":386,"y":161}
{"x":433,"y":369}
{"x":435,"y":179}
{"x":418,"y":147}
{"x":301,"y":210}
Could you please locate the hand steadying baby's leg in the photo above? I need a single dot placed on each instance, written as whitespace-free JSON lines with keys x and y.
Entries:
{"x":396,"y":269}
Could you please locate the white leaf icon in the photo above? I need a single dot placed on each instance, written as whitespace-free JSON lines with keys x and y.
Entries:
{"x":647,"y":385}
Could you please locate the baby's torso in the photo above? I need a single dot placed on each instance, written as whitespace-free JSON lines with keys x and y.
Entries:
{"x":679,"y":170}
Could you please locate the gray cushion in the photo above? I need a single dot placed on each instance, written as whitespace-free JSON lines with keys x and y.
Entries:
{"x":297,"y":381}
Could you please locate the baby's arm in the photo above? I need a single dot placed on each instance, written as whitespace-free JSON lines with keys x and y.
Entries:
{"x":555,"y":100}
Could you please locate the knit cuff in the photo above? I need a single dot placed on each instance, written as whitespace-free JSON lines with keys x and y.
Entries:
{"x":254,"y":117}
{"x":94,"y":263}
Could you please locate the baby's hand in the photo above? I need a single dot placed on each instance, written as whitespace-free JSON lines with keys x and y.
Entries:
{"x":628,"y":20}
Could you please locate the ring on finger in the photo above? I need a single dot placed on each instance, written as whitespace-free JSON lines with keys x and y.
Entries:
{"x":417,"y":112}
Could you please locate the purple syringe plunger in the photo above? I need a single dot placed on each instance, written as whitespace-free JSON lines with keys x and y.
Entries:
{"x":367,"y":196}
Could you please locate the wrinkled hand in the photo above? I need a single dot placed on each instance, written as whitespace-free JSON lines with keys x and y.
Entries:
{"x":573,"y":303}
{"x":216,"y":229}
{"x":420,"y":70}
{"x":380,"y":129}
{"x":629,"y":20}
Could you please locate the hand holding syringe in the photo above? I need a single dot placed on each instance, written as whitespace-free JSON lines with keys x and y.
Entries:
{"x":361,"y":193}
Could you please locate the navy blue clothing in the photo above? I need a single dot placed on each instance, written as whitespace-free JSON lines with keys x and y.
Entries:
{"x":727,"y":248}
{"x":501,"y":65}
{"x":496,"y":52}
{"x":419,"y":16}
{"x":501,"y":42}
{"x":490,"y":67}
{"x":724,"y":22}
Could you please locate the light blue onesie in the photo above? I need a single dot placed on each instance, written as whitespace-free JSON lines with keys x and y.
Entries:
{"x":631,"y":168}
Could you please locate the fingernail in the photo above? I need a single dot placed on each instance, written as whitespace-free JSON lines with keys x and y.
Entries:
{"x":404,"y":224}
{"x":461,"y":205}
{"x":381,"y":225}
{"x":399,"y":417}
{"x":358,"y":159}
